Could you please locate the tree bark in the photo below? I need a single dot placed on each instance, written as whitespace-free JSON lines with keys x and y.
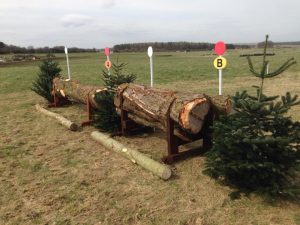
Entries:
{"x":135,"y":156}
{"x":151,"y":106}
{"x":74,"y":91}
{"x":62,"y":120}
{"x":220,"y":104}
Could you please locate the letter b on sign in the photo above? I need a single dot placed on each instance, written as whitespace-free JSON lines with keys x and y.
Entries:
{"x":220,"y":63}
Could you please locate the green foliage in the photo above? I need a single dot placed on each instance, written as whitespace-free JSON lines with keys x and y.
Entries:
{"x":117,"y":77}
{"x":262,"y":74}
{"x":257,"y":148}
{"x":106,"y":117}
{"x":169,"y":46}
{"x":49,"y":69}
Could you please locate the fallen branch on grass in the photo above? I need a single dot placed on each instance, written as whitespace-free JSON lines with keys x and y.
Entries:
{"x":161,"y":170}
{"x":62,"y":120}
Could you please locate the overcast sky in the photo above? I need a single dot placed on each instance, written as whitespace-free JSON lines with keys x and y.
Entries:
{"x":100,"y":23}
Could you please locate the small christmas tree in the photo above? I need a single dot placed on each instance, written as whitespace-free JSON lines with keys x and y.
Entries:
{"x":49,"y":69}
{"x":257,"y":148}
{"x":106,"y":117}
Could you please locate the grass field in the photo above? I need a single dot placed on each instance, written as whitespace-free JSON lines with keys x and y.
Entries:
{"x":52,"y":176}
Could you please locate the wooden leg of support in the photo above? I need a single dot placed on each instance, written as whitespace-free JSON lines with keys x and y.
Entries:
{"x":89,"y":112}
{"x":172,"y":142}
{"x":124,"y":119}
{"x":55,"y":98}
{"x":207,"y":135}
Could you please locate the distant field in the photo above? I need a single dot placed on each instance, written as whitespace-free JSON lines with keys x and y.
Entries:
{"x":168,"y":66}
{"x":192,"y":71}
{"x":51,"y":176}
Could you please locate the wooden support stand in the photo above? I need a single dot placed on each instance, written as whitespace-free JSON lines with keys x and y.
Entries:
{"x":89,"y":121}
{"x":173,"y":140}
{"x":57,"y":100}
{"x":127,"y":125}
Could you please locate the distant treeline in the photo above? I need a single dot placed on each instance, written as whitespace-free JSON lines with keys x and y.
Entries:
{"x":133,"y":47}
{"x":288,"y":43}
{"x":171,"y":46}
{"x":5,"y":49}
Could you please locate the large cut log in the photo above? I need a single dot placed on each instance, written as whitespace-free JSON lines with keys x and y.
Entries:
{"x":135,"y":156}
{"x":62,"y":120}
{"x":221,"y":104}
{"x":74,"y":91}
{"x":152,"y":106}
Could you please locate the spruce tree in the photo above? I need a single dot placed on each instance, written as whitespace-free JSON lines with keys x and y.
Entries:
{"x":106,"y":117}
{"x":42,"y":85}
{"x":257,"y":148}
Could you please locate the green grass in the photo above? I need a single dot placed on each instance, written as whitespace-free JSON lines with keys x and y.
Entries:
{"x":178,"y":66}
{"x":51,"y":176}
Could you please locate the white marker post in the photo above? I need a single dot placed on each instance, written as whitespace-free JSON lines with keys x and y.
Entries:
{"x":67,"y":55}
{"x":220,"y":62}
{"x":220,"y":82}
{"x":150,"y":53}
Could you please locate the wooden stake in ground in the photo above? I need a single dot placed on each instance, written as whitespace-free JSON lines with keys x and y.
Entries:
{"x":135,"y":156}
{"x":62,"y":120}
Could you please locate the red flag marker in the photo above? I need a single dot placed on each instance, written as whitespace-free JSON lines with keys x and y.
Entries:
{"x":220,"y":48}
{"x":106,"y":51}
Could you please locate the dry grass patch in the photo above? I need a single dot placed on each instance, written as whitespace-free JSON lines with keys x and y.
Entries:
{"x":53,"y":176}
{"x":49,"y":175}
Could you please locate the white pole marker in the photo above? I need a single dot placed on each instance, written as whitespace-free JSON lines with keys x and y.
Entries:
{"x":150,"y":54}
{"x":220,"y":63}
{"x":220,"y":82}
{"x":67,"y":56}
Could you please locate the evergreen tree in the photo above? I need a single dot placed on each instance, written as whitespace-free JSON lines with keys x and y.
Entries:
{"x":257,"y":148}
{"x":106,"y":117}
{"x":49,"y":69}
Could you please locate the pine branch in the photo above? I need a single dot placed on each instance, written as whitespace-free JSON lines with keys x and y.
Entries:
{"x":106,"y":118}
{"x":43,"y":83}
{"x":282,"y":68}
{"x":251,"y":68}
{"x":265,"y":50}
{"x":264,"y":69}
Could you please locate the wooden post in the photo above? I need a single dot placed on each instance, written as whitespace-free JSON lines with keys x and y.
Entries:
{"x":89,"y":112}
{"x":207,"y":134}
{"x":172,"y":141}
{"x":124,"y":118}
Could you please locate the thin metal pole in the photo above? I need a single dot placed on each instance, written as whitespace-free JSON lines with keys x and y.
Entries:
{"x":69,"y":73}
{"x":220,"y":82}
{"x":151,"y":71}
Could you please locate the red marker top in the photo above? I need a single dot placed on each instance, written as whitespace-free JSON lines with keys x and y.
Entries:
{"x":106,"y":51}
{"x":220,"y":48}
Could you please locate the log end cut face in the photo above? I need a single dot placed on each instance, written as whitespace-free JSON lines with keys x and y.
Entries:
{"x":193,"y":114}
